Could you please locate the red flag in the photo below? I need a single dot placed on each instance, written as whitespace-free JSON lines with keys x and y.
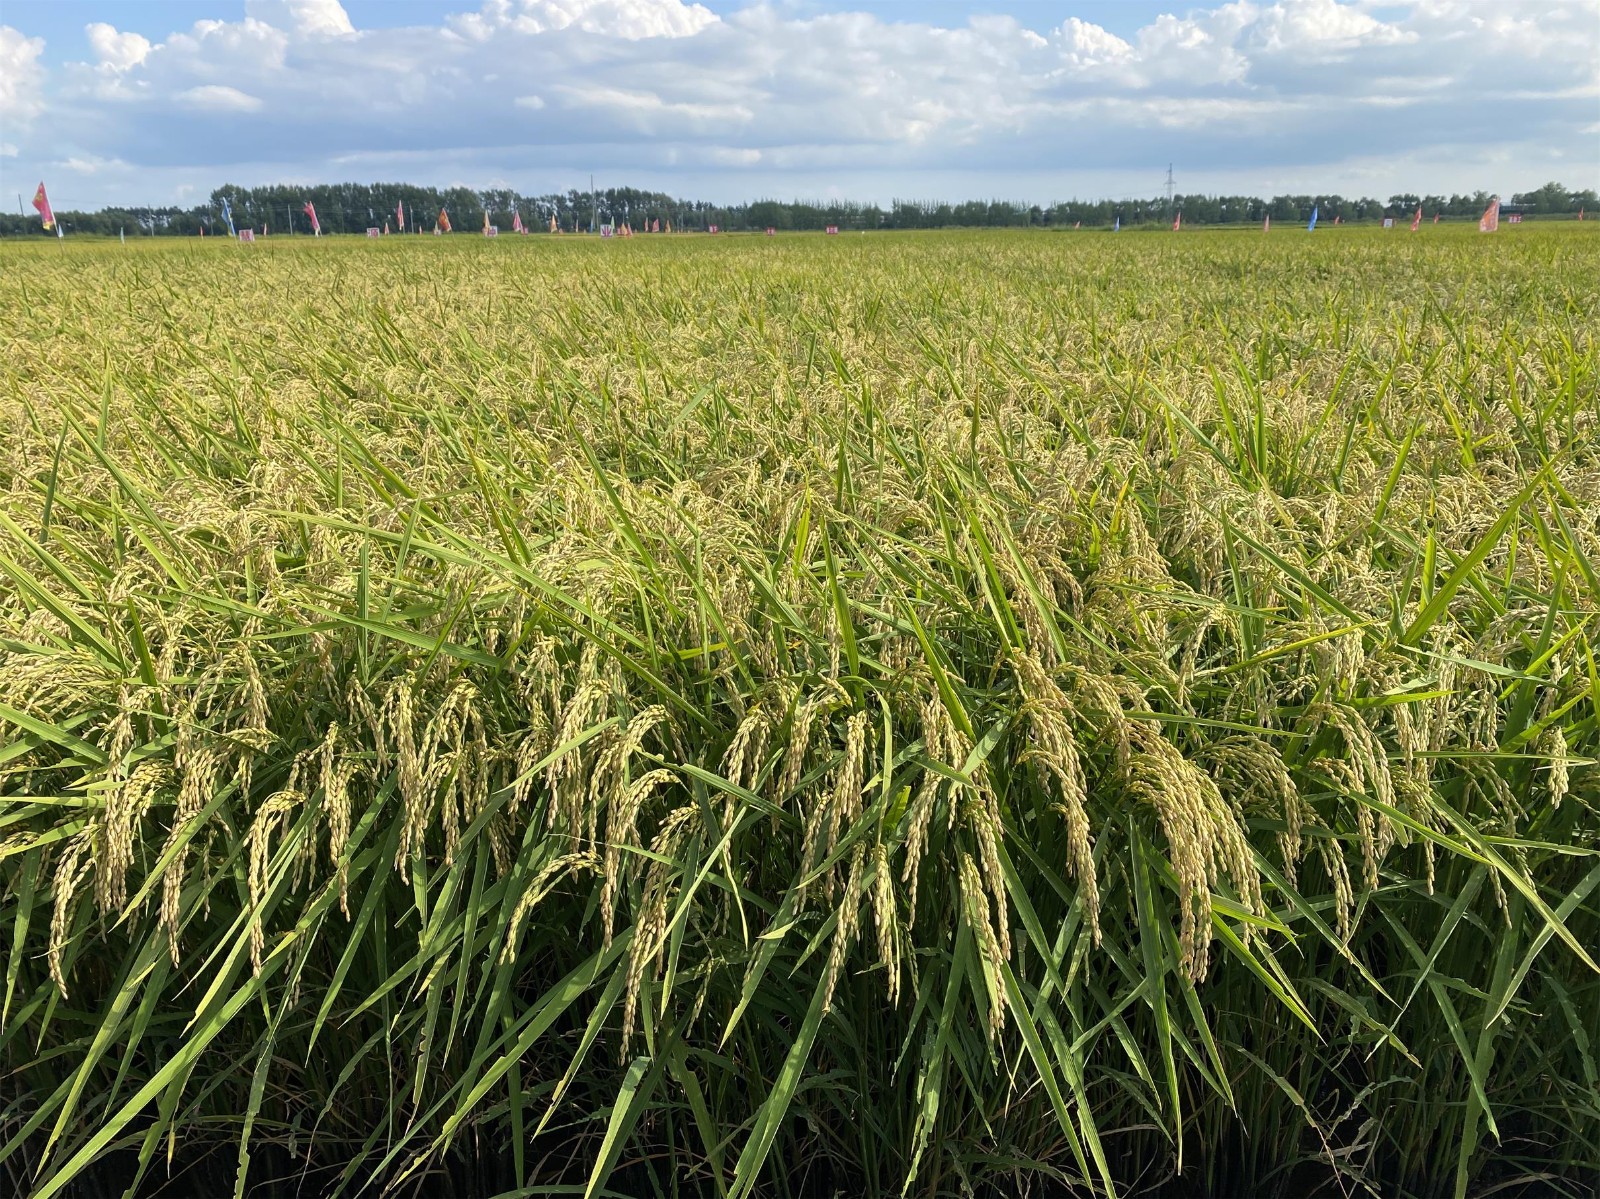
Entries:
{"x":1416,"y":221}
{"x":1177,"y":222}
{"x":316,"y":226}
{"x":443,"y":223}
{"x":400,"y":215}
{"x":1580,"y":213}
{"x":1489,"y":222}
{"x":1436,"y":218}
{"x":657,"y":228}
{"x":42,"y":203}
{"x":516,"y":220}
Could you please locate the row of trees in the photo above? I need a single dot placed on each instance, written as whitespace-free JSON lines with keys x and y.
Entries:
{"x":354,"y":207}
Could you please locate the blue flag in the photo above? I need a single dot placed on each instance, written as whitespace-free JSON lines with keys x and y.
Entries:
{"x":1313,"y":223}
{"x":227,"y":216}
{"x":1117,"y":227}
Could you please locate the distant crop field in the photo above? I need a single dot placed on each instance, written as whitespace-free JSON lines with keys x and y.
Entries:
{"x":943,"y":714}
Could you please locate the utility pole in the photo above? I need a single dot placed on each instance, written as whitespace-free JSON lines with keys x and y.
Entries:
{"x":594,"y":205}
{"x":1169,"y":189}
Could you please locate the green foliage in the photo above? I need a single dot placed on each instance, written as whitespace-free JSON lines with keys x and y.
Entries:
{"x":978,"y":714}
{"x":354,"y":207}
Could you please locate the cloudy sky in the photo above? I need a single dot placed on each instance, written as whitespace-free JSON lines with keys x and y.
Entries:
{"x":159,"y":101}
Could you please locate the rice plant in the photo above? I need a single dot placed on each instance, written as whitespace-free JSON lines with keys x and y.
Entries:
{"x":974,"y":714}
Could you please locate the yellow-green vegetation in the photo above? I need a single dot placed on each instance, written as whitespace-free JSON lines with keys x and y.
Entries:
{"x":993,"y":714}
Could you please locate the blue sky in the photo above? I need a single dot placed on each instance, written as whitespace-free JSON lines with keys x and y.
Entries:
{"x":159,"y":101}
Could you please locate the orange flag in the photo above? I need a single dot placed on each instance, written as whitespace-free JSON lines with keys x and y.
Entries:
{"x":444,"y":221}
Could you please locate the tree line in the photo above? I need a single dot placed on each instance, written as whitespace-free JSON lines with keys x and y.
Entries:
{"x":355,"y":207}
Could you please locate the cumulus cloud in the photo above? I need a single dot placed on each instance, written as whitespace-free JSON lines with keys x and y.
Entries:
{"x":21,"y":76}
{"x":310,"y":18}
{"x":1246,"y":91}
{"x":1317,"y":27}
{"x":118,"y":51}
{"x":629,"y":19}
{"x":1083,"y":45}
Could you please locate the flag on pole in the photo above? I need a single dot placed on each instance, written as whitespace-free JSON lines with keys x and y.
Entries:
{"x":1436,"y":218}
{"x":1266,"y":225}
{"x":1489,"y":222}
{"x":486,"y":222}
{"x":1177,"y":221}
{"x":1580,"y":212}
{"x":227,"y":217}
{"x":1313,"y":222}
{"x":443,"y":223}
{"x":657,"y":228}
{"x":516,"y":220}
{"x":1336,"y":221}
{"x":42,"y":203}
{"x":310,"y":210}
{"x":1116,"y":225}
{"x":554,"y":228}
{"x":669,"y":226}
{"x":1416,"y":221}
{"x":400,"y":215}
{"x":1077,"y":224}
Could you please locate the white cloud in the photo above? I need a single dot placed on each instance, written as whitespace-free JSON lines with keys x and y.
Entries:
{"x":623,"y":100}
{"x":533,"y":102}
{"x":21,"y":75}
{"x":214,"y":97}
{"x":118,"y":51}
{"x":1321,"y":27}
{"x":91,"y":165}
{"x":313,"y":18}
{"x":629,"y":19}
{"x":1085,"y":45}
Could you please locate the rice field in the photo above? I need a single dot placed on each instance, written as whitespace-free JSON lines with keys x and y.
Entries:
{"x":957,"y":714}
